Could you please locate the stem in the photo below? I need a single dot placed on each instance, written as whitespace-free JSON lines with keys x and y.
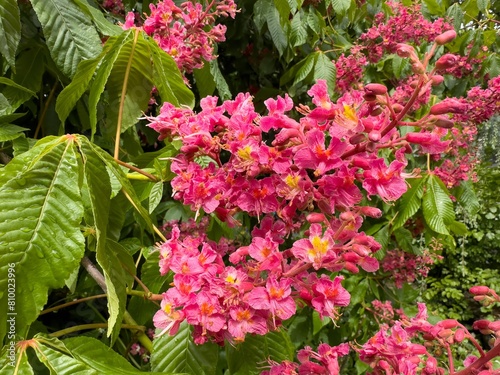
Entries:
{"x":99,"y":278}
{"x":44,"y":110}
{"x":147,"y":295}
{"x":56,"y":308}
{"x":122,"y":97}
{"x":138,"y":170}
{"x":450,"y":359}
{"x":480,"y":362}
{"x":82,"y":327}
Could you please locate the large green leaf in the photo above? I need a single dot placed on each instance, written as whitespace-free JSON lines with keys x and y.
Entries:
{"x":437,"y":206}
{"x":104,"y":26}
{"x":130,"y":82}
{"x":410,"y":202}
{"x":324,"y":68}
{"x":168,"y":79}
{"x":40,"y":219}
{"x":251,"y":356}
{"x":69,"y":32}
{"x":10,"y":30}
{"x":275,"y":28}
{"x":179,"y":353}
{"x":467,"y":197}
{"x":340,"y":6}
{"x":81,"y":355}
{"x":9,"y":132}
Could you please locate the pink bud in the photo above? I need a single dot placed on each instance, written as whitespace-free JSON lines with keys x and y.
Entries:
{"x":419,"y":138}
{"x":351,"y":257}
{"x":374,"y":136}
{"x":368,"y":124}
{"x":315,"y":217}
{"x":418,"y":349}
{"x":404,"y":50}
{"x":370,"y":97}
{"x":351,"y":267}
{"x":375,"y":89}
{"x":356,"y":139}
{"x":360,"y":162}
{"x":437,"y":80}
{"x":441,"y":122}
{"x":377,"y":110}
{"x":446,"y":61}
{"x":445,"y":37}
{"x":347,"y":216}
{"x":448,"y":106}
{"x":481,"y":324}
{"x":371,"y":147}
{"x":284,"y":135}
{"x":445,"y":333}
{"x":459,"y":335}
{"x":371,"y":212}
{"x":361,"y":250}
{"x":479,"y":290}
{"x":417,"y":67}
{"x":495,"y":326}
{"x":397,"y":107}
{"x":448,"y":323}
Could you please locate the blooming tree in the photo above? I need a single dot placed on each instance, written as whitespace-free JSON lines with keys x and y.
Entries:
{"x":254,"y":229}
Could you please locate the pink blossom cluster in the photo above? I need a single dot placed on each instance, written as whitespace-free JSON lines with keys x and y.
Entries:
{"x":350,"y":70}
{"x":405,"y":267}
{"x":393,"y":349}
{"x":324,"y":361}
{"x":187,"y":32}
{"x":276,"y":167}
{"x":405,"y":25}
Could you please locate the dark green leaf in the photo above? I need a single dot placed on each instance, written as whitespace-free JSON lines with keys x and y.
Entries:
{"x":467,"y":197}
{"x":40,"y":219}
{"x":340,"y":6}
{"x":10,"y":30}
{"x":275,"y":29}
{"x":9,"y":132}
{"x":104,"y":26}
{"x":249,"y":357}
{"x":204,"y":80}
{"x":410,"y":202}
{"x":179,"y":353}
{"x":457,"y":16}
{"x":324,"y":68}
{"x":404,"y":238}
{"x":220,"y":81}
{"x":69,"y":33}
{"x":155,"y":195}
{"x":437,"y":206}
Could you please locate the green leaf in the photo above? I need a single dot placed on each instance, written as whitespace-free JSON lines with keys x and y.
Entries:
{"x":204,"y":80}
{"x":155,"y":196}
{"x":304,"y":68}
{"x":382,"y":237}
{"x":467,"y":197}
{"x":325,"y":69}
{"x":104,"y":26}
{"x":249,"y":357}
{"x":340,"y":6}
{"x":168,"y":79}
{"x":40,"y":219}
{"x":9,"y":132}
{"x":179,"y":353}
{"x":457,"y":16}
{"x":220,"y":81}
{"x":130,"y":82}
{"x":458,"y":228}
{"x":11,"y":83}
{"x":404,"y":239}
{"x":410,"y":202}
{"x":10,"y":30}
{"x":113,"y":47}
{"x":437,"y":206}
{"x":435,"y":7}
{"x":275,"y":29}
{"x":69,"y":33}
{"x":298,"y":31}
{"x":68,"y":97}
{"x":283,"y":9}
{"x":9,"y":360}
{"x":110,"y":259}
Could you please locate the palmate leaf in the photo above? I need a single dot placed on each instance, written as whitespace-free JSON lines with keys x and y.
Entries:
{"x":179,"y":353}
{"x":437,"y":206}
{"x":21,"y":364}
{"x":69,"y":32}
{"x":249,"y":357}
{"x":410,"y":202}
{"x":10,"y":30}
{"x":40,"y":219}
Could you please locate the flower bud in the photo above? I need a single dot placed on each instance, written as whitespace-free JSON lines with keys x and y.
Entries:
{"x":371,"y":212}
{"x":448,"y":106}
{"x":481,"y":324}
{"x":479,"y":290}
{"x":404,"y":50}
{"x":371,"y":147}
{"x":419,"y":138}
{"x":441,"y":122}
{"x":356,"y":139}
{"x":437,"y":79}
{"x":445,"y":37}
{"x":315,"y":217}
{"x":446,"y":61}
{"x":495,"y":326}
{"x":375,"y":89}
{"x":370,"y":97}
{"x":397,"y":107}
{"x":284,"y":135}
{"x":459,"y":335}
{"x":445,"y":333}
{"x":377,"y":110}
{"x":418,"y":349}
{"x":368,"y":124}
{"x":448,"y":323}
{"x":351,"y":257}
{"x":347,"y":216}
{"x":351,"y":267}
{"x":417,"y":67}
{"x":414,"y":84}
{"x":361,"y":250}
{"x":374,"y":136}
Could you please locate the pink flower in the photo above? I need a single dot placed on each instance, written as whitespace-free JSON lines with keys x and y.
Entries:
{"x":329,"y":295}
{"x":206,"y":311}
{"x":384,"y":181}
{"x":318,"y":249}
{"x":258,"y":197}
{"x":167,"y":318}
{"x":275,"y":297}
{"x":245,"y":320}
